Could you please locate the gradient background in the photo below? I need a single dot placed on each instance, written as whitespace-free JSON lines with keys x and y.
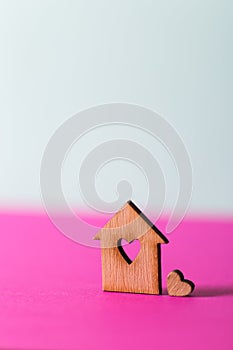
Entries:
{"x":60,"y":57}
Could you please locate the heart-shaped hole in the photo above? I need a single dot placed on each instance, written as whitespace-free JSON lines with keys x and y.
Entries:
{"x":129,"y":250}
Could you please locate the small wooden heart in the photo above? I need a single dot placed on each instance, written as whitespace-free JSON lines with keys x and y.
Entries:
{"x":177,"y":285}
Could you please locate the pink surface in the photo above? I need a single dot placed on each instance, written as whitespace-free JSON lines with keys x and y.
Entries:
{"x":51,"y":298}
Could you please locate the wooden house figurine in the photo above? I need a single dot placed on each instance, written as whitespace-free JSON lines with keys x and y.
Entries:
{"x":119,"y":273}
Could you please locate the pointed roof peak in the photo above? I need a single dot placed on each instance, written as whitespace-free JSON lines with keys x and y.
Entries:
{"x":125,"y":221}
{"x":145,"y":218}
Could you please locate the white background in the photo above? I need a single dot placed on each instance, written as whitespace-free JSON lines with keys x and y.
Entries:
{"x":60,"y":57}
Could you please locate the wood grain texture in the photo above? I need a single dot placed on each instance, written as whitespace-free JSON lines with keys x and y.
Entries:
{"x":143,"y":275}
{"x":177,"y":285}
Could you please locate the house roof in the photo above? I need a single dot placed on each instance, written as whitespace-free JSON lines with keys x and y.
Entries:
{"x":129,"y":222}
